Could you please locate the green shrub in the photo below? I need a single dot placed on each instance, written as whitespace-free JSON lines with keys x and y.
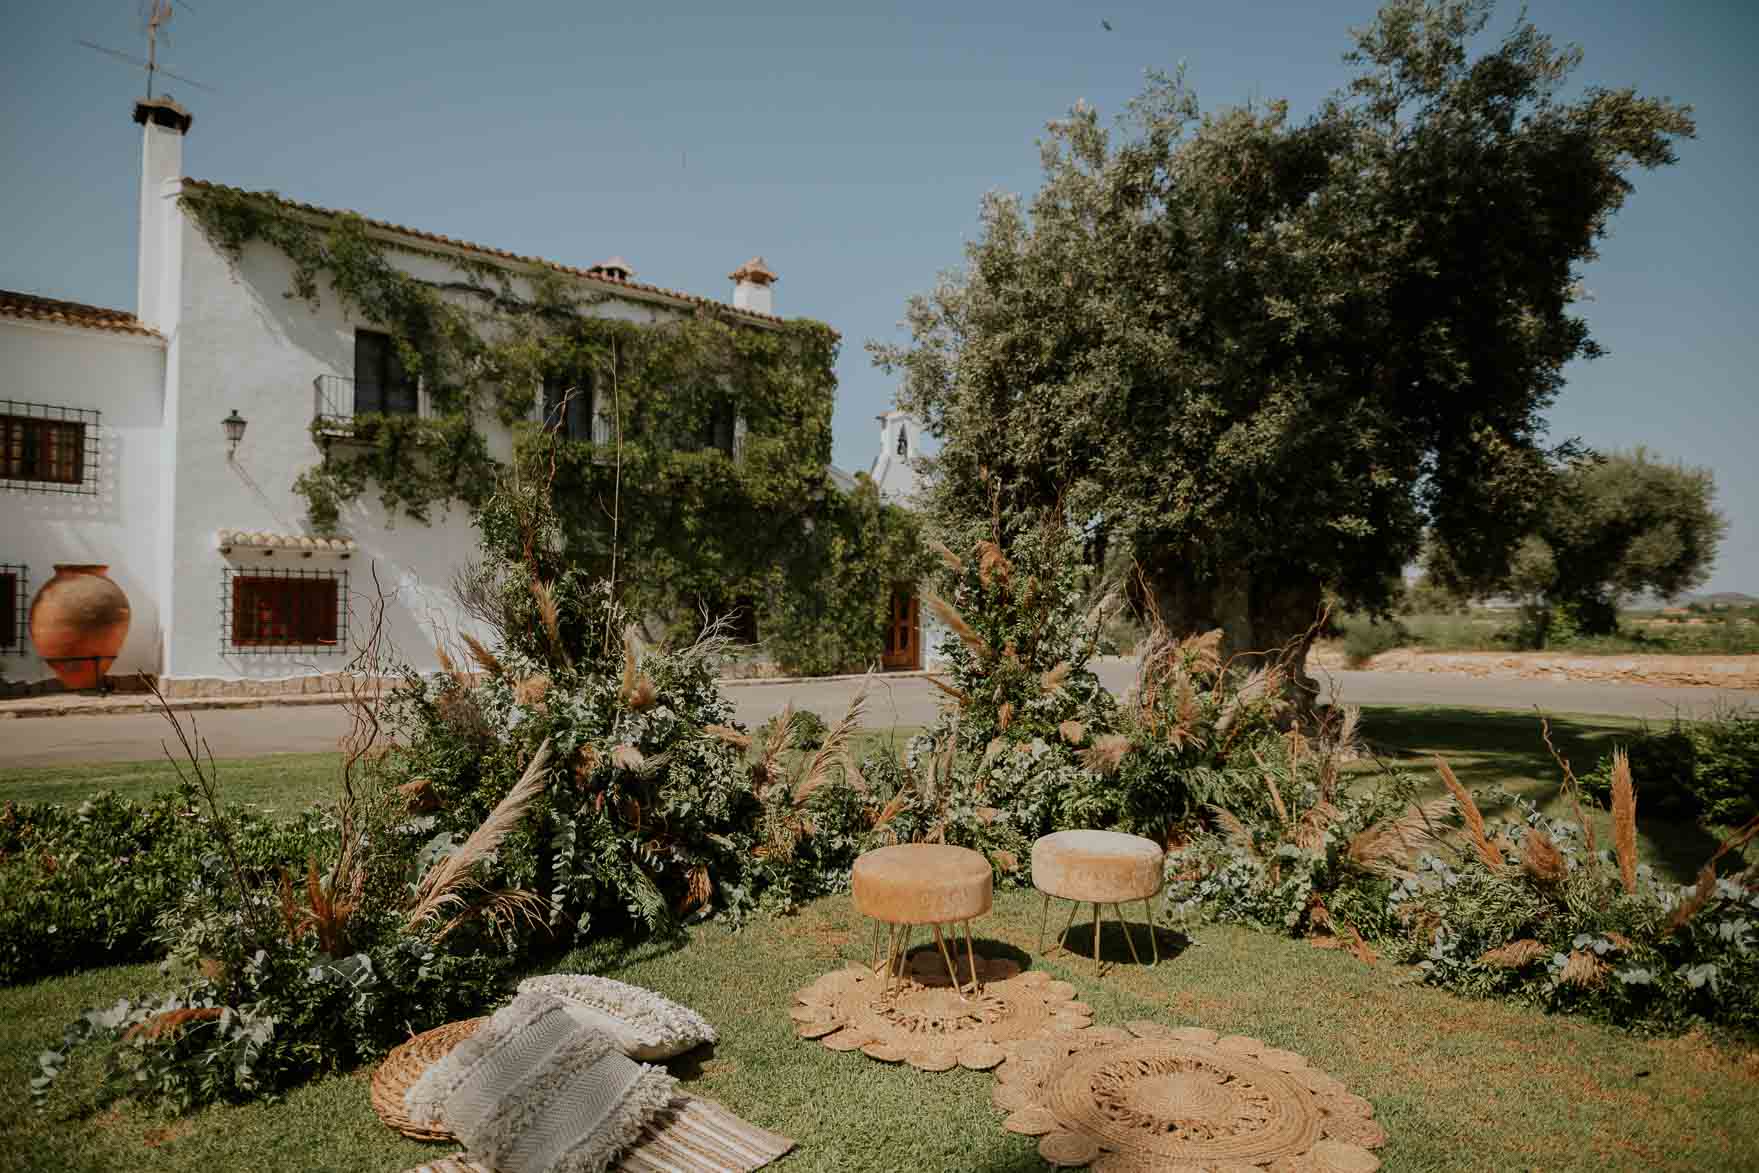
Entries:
{"x":1366,"y":638}
{"x":1561,"y":929}
{"x":83,"y":886}
{"x":1707,"y":768}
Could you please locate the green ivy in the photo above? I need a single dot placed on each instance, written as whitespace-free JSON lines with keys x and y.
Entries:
{"x":694,"y":528}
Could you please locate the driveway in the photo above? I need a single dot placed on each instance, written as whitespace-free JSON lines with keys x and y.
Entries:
{"x":897,"y":700}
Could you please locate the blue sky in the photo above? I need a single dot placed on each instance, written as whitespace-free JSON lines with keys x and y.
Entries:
{"x":849,"y":145}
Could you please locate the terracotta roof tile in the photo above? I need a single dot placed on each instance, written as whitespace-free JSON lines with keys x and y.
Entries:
{"x":31,"y":308}
{"x":639,"y":289}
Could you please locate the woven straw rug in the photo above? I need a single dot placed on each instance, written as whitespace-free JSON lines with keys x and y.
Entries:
{"x":927,"y":1023}
{"x":1156,"y":1097}
{"x":694,"y":1135}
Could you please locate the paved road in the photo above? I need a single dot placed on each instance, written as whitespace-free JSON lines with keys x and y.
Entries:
{"x":42,"y":741}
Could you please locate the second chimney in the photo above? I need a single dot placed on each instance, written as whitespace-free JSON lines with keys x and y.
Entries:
{"x":751,"y":286}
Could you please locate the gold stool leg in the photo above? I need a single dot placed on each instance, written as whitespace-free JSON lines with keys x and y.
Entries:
{"x":1096,"y":967}
{"x":970,"y":958}
{"x":1043,"y":919}
{"x":1153,"y":937}
{"x":952,"y":970}
{"x":1119,"y":913}
{"x":1067,"y":925}
{"x":874,"y":964}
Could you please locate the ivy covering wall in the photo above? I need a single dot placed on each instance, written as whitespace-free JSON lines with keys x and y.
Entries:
{"x":690,"y":526}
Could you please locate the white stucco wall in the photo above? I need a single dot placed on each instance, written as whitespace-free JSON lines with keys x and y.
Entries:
{"x":239,"y":344}
{"x":121,"y":376}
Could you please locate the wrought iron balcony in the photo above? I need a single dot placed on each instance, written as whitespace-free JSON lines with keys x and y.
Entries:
{"x":333,"y":410}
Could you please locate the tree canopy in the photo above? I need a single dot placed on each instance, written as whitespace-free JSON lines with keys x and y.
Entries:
{"x":1612,"y":527}
{"x":1267,"y":355}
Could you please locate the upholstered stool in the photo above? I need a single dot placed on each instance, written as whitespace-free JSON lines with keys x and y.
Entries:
{"x":922,"y":884}
{"x":1098,"y":867}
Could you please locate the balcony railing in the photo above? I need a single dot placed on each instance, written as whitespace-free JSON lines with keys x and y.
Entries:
{"x":333,"y":410}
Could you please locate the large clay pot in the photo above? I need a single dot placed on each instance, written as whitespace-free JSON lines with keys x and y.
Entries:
{"x":78,"y":622}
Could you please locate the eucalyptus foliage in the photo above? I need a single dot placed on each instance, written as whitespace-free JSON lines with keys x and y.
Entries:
{"x":1267,"y":353}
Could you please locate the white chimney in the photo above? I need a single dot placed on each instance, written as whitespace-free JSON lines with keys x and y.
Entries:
{"x":163,"y":123}
{"x":751,"y":286}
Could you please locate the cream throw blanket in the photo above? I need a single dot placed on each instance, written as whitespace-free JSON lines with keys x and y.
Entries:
{"x":532,"y":1091}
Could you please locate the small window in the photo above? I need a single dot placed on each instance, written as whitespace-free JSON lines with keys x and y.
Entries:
{"x":48,"y":449}
{"x":271,"y":611}
{"x":717,"y":430}
{"x":14,"y":590}
{"x":903,"y":442}
{"x":381,"y":384}
{"x":568,"y":405}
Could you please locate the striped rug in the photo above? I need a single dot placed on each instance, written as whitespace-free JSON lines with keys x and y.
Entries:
{"x":694,"y":1135}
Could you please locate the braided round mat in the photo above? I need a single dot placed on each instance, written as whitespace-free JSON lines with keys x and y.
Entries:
{"x":926,"y":1023}
{"x":1160,"y":1097}
{"x":404,"y":1065}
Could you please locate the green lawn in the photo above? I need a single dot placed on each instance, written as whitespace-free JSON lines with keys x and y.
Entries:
{"x":1457,"y":1084}
{"x":1488,"y":748}
{"x":284,"y":782}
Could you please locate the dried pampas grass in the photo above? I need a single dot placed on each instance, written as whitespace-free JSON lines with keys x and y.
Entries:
{"x":1514,"y":955}
{"x":444,"y":885}
{"x":1583,"y":969}
{"x":728,"y":735}
{"x":1487,"y":851}
{"x":949,"y":559}
{"x":1072,"y":731}
{"x":1106,"y":753}
{"x":1391,"y":844}
{"x":1052,"y":680}
{"x":486,"y":659}
{"x":1624,"y":820}
{"x":947,"y":614}
{"x":1540,"y":857}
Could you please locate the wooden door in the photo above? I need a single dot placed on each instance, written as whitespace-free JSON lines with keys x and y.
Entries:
{"x":903,"y":632}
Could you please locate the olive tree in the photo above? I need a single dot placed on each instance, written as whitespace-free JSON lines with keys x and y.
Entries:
{"x":1610,"y":527}
{"x":1266,"y":354}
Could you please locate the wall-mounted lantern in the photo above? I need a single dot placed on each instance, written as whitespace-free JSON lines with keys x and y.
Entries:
{"x":234,"y":425}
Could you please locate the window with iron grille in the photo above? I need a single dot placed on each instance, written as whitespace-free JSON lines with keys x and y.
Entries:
{"x":381,"y":384}
{"x":14,"y":590}
{"x":264,"y":611}
{"x":48,"y":449}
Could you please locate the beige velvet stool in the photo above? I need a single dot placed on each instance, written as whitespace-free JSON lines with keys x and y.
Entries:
{"x":922,"y":884}
{"x":1098,"y":867}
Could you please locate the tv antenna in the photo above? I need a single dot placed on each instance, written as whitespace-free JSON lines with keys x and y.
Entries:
{"x":155,"y":16}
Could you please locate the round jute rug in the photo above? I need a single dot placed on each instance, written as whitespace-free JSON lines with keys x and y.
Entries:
{"x":1182,"y":1097}
{"x":927,"y":1024}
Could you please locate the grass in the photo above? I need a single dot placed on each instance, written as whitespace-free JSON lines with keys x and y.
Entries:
{"x":1640,"y":633}
{"x":280,"y":781}
{"x":283,"y":782}
{"x":1504,"y":750}
{"x":1457,"y":1084}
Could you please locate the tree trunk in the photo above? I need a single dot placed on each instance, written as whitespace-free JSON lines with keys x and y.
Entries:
{"x":1264,"y":620}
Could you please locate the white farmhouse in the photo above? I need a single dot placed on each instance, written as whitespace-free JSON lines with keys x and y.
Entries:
{"x":116,"y":448}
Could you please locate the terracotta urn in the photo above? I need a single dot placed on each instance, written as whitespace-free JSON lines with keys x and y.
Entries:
{"x":78,"y":622}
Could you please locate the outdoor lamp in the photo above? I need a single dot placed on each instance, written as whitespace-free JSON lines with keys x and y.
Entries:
{"x":234,"y":425}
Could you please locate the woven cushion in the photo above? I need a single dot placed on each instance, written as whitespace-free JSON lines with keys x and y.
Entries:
{"x":921,"y":883}
{"x":533,"y":1091}
{"x":644,"y":1025}
{"x":1106,"y":867}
